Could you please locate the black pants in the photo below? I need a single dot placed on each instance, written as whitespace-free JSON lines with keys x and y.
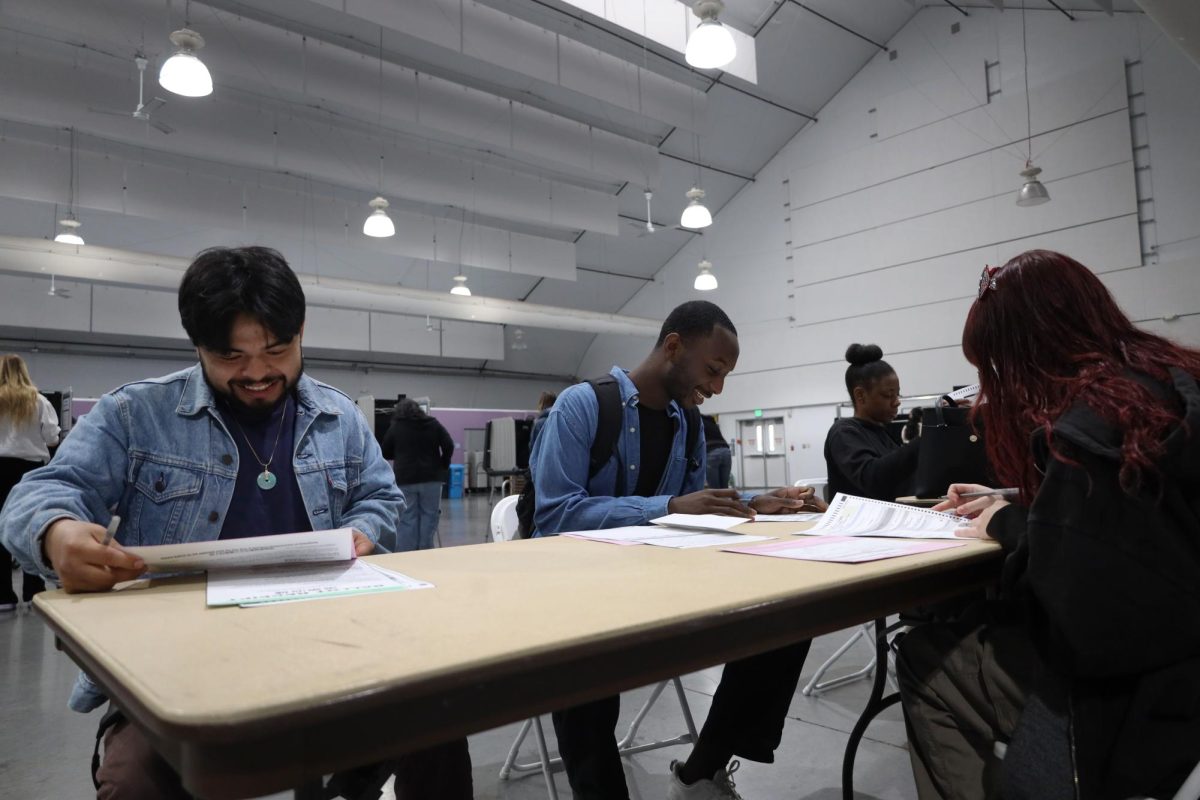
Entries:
{"x":11,"y":472}
{"x":133,"y":770}
{"x":747,"y":716}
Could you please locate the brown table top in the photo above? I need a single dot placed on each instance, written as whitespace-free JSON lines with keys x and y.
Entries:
{"x":254,"y":700}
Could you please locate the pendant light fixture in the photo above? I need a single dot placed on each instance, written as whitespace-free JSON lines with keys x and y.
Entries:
{"x":711,"y":44}
{"x":695,"y":215}
{"x":378,"y":224}
{"x":184,"y":73}
{"x":705,"y":280}
{"x":69,"y":225}
{"x":460,"y":287}
{"x":1032,"y":193}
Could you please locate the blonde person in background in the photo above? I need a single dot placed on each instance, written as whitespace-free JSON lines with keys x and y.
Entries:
{"x":28,"y":426}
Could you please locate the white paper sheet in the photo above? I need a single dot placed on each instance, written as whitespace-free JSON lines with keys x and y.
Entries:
{"x":634,"y":534}
{"x":849,"y":515}
{"x":284,"y":548}
{"x":291,"y":582}
{"x":700,"y":522}
{"x":843,"y":549}
{"x":663,"y":537}
{"x":696,"y":539}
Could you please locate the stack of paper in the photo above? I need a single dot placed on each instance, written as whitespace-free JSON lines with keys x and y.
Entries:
{"x":275,"y":569}
{"x":849,"y":515}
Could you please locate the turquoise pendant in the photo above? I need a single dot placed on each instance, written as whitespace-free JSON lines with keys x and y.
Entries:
{"x":266,"y":480}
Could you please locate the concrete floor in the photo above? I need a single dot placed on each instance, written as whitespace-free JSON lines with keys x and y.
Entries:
{"x":45,"y":748}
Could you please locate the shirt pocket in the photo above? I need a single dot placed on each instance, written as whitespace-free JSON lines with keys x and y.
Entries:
{"x":163,"y":505}
{"x":341,"y":480}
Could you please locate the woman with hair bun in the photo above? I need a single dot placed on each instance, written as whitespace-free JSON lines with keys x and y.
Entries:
{"x":861,"y":457}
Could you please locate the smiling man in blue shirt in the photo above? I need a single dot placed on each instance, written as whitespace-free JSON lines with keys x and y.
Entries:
{"x":649,"y":474}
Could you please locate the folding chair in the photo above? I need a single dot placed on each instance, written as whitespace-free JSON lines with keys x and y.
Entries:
{"x":547,"y":763}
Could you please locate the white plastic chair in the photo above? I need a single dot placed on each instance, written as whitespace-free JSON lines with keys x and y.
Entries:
{"x":504,"y":522}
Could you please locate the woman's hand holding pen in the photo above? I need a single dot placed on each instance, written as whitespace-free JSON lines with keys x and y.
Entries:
{"x":979,"y":510}
{"x":84,"y":563}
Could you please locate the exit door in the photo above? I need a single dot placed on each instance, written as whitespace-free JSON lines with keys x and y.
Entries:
{"x":763,"y":453}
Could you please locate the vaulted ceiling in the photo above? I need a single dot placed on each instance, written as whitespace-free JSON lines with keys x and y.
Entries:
{"x":514,"y":139}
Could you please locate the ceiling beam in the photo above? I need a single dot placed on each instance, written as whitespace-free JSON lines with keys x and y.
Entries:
{"x":109,"y":266}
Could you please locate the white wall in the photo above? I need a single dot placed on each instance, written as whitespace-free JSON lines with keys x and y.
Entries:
{"x":91,"y":376}
{"x":873,"y":224}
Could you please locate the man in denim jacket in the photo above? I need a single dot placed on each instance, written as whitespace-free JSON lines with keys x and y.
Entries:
{"x":650,"y":475}
{"x":242,"y":444}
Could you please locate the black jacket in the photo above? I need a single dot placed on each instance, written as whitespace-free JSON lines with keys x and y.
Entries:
{"x":421,"y":449}
{"x":863,"y":460}
{"x":1112,"y":584}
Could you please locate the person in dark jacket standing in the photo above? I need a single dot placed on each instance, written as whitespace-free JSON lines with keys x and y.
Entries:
{"x":861,"y":457}
{"x":545,"y":403}
{"x":420,"y":449}
{"x":1084,"y":680}
{"x":720,"y":459}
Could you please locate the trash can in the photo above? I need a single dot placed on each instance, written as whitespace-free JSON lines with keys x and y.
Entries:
{"x":455,"y":486}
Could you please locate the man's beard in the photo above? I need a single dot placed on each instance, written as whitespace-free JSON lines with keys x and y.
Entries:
{"x":226,"y":394}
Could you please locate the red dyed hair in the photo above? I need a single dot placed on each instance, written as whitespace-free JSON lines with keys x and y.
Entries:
{"x":1049,"y":334}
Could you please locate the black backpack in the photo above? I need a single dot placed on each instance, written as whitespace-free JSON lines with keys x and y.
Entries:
{"x":608,"y":429}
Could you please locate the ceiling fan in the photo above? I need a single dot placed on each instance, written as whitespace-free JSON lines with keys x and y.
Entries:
{"x":644,"y":228}
{"x":58,"y":292}
{"x":144,"y":110}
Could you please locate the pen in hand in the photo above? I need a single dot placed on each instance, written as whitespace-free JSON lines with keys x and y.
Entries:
{"x":113,"y":523}
{"x":989,"y":493}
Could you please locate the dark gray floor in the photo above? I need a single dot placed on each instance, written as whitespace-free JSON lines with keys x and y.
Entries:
{"x":45,"y":748}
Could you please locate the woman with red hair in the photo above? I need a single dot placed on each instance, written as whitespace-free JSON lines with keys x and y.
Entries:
{"x":1083,"y":679}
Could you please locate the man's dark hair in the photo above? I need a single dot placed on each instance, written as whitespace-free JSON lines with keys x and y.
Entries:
{"x":694,"y":318}
{"x":223,"y":282}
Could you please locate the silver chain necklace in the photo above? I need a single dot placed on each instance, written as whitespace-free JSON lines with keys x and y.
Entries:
{"x":267,"y":480}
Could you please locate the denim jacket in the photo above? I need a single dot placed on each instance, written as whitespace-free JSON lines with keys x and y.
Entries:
{"x":159,"y":452}
{"x":568,"y":501}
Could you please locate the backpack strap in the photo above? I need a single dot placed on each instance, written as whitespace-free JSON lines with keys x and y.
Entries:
{"x":694,"y":426}
{"x":608,"y":425}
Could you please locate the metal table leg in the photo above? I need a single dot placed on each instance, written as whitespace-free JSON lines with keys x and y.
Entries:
{"x":875,"y":703}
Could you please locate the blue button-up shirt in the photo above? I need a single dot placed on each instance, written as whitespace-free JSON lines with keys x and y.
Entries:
{"x":568,"y":501}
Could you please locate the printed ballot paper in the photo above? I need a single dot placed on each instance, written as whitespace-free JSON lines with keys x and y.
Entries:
{"x":286,"y":567}
{"x":258,"y":586}
{"x":255,"y":551}
{"x":849,"y":515}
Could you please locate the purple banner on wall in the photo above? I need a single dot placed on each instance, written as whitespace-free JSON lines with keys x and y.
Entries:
{"x":456,"y":421}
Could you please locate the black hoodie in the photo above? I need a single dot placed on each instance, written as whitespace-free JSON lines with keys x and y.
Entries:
{"x":421,"y":449}
{"x":1113,"y":589}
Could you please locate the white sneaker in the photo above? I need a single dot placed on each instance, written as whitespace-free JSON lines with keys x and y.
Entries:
{"x":719,"y":788}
